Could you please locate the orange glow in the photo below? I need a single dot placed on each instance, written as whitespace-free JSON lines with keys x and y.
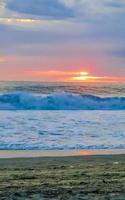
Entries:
{"x":81,"y":73}
{"x":2,"y":59}
{"x":50,"y":72}
{"x":85,"y":153}
{"x":66,"y":75}
{"x":80,"y":78}
{"x":83,"y":76}
{"x":52,"y":75}
{"x":71,"y":76}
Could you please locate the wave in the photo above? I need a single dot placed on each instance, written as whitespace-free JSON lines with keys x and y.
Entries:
{"x":59,"y":101}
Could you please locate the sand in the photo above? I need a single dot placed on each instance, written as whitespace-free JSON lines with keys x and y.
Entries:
{"x":57,"y":153}
{"x":93,"y":177}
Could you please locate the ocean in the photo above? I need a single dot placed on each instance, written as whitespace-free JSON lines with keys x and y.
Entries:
{"x":65,"y":116}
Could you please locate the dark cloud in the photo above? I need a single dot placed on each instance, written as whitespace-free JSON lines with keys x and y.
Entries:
{"x":45,"y":8}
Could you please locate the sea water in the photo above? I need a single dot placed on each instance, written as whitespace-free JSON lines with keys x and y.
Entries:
{"x":62,"y":116}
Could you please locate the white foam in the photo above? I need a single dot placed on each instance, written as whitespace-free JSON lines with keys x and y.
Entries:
{"x":65,"y":130}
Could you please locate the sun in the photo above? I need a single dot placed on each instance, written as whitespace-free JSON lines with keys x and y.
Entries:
{"x":80,"y":76}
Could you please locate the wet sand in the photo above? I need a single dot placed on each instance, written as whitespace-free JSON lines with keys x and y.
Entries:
{"x":93,"y":177}
{"x":57,"y":153}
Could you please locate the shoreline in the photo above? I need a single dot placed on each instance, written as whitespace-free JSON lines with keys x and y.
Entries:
{"x":57,"y":153}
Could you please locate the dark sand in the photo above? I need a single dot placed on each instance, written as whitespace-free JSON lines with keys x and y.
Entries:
{"x":65,"y":178}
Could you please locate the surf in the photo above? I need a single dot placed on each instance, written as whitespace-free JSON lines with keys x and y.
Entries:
{"x":59,"y":101}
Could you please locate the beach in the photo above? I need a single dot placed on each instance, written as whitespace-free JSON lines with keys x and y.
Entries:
{"x":69,"y":177}
{"x":62,"y":141}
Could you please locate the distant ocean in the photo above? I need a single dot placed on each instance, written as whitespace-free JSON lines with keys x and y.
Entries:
{"x":37,"y":115}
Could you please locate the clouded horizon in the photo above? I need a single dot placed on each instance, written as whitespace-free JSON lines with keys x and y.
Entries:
{"x":50,"y":40}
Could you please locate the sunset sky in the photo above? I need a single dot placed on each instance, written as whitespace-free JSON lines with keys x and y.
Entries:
{"x":62,"y":40}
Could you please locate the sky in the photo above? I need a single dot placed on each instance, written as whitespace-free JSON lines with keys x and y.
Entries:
{"x":62,"y":40}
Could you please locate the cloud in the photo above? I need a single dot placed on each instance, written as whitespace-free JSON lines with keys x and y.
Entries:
{"x":2,"y":7}
{"x":19,"y":23}
{"x":117,"y":53}
{"x":43,"y":8}
{"x":84,"y":11}
{"x":63,"y":9}
{"x":17,"y":20}
{"x":89,"y":32}
{"x":115,"y":3}
{"x":90,"y":9}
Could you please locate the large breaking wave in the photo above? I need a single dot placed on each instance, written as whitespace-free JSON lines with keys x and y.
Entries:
{"x":59,"y":101}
